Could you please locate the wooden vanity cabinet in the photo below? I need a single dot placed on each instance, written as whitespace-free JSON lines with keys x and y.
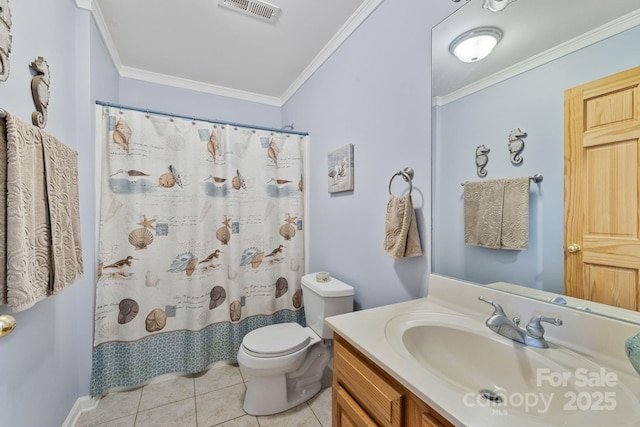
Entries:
{"x":364,"y":395}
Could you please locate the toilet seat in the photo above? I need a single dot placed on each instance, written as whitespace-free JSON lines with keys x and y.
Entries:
{"x":276,"y":340}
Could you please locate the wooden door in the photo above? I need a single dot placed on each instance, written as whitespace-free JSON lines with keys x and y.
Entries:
{"x":601,"y":185}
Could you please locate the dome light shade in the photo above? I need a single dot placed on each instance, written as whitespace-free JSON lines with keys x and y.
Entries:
{"x":496,"y":5}
{"x":475,"y":44}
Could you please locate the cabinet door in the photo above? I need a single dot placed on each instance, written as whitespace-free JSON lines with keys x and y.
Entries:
{"x":429,"y":420}
{"x":364,"y":396}
{"x":381,"y":399}
{"x":347,"y":412}
{"x":422,"y":415}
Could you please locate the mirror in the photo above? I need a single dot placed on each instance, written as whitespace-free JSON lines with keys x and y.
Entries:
{"x":546,"y":48}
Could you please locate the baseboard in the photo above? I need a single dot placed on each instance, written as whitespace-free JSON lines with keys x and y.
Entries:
{"x":83,"y":404}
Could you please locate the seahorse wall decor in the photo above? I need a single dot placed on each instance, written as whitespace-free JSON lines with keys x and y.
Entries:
{"x":40,"y":91}
{"x":482,"y":159}
{"x":5,"y":39}
{"x":516,"y":145}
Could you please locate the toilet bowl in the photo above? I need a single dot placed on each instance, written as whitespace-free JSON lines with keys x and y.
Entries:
{"x":284,"y":363}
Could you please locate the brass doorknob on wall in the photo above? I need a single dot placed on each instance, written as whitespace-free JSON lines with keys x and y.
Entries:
{"x":573,"y":248}
{"x":7,"y":324}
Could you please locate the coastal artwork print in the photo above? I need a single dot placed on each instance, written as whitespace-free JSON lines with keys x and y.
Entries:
{"x":340,"y":169}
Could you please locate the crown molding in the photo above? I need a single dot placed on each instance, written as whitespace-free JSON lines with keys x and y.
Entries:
{"x":84,"y":4}
{"x":612,"y":28}
{"x":167,"y":80}
{"x":106,"y":35}
{"x":358,"y":17}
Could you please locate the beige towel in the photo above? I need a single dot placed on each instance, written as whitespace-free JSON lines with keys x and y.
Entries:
{"x":401,"y":230}
{"x":3,"y":214}
{"x":483,"y":213}
{"x":515,"y":213}
{"x":61,"y":167}
{"x":43,"y":250}
{"x":496,"y":213}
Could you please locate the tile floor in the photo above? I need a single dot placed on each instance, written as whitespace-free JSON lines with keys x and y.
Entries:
{"x":210,"y":398}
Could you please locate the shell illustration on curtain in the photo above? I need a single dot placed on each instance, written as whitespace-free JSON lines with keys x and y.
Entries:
{"x":201,"y":241}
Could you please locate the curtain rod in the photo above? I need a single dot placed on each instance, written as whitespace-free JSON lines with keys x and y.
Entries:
{"x":219,"y":122}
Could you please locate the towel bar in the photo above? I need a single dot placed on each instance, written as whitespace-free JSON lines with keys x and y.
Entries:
{"x":407,"y":174}
{"x":535,"y":178}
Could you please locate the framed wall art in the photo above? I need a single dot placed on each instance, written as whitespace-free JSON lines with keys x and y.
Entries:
{"x":340,"y":169}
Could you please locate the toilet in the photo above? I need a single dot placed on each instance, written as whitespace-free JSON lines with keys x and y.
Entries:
{"x":284,"y":363}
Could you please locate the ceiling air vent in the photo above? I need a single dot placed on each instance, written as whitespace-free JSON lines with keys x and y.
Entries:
{"x":255,"y":8}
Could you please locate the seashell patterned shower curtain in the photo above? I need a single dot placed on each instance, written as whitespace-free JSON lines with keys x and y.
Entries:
{"x":201,"y":241}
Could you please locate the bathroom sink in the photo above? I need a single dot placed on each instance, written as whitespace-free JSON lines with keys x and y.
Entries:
{"x":494,"y":373}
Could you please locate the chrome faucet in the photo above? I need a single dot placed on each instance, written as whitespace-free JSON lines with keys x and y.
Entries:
{"x":532,"y":335}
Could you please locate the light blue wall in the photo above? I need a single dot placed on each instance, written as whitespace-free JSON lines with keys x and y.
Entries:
{"x":141,"y":94}
{"x":105,"y":80}
{"x":533,"y":102}
{"x":100,"y":81}
{"x":374,"y":93}
{"x":46,"y":360}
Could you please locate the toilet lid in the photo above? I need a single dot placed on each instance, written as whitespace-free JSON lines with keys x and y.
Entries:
{"x":276,"y":340}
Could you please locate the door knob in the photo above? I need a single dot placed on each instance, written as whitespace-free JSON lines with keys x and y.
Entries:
{"x":7,"y":324}
{"x":573,"y":248}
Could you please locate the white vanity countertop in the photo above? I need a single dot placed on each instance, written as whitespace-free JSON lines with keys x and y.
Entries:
{"x":603,"y":346}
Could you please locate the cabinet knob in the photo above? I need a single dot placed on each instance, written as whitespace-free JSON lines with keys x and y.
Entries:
{"x":574,"y":248}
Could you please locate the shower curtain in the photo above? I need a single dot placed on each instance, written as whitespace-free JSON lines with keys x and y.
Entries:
{"x":200,"y":242}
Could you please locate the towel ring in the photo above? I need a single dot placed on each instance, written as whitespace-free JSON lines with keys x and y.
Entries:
{"x":407,"y":174}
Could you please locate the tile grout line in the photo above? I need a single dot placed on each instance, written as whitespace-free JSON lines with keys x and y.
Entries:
{"x":135,"y":420}
{"x":195,"y":400}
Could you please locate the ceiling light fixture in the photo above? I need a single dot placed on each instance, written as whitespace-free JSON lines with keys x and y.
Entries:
{"x":475,"y":44}
{"x":496,"y":5}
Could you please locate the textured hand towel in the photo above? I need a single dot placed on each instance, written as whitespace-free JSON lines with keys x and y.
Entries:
{"x":515,"y":213}
{"x":3,"y":213}
{"x":496,"y":213}
{"x":483,"y":213}
{"x":61,"y":168}
{"x":43,"y":251}
{"x":28,"y":232}
{"x":401,"y":230}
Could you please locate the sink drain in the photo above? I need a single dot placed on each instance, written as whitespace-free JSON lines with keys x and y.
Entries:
{"x":491,"y":396}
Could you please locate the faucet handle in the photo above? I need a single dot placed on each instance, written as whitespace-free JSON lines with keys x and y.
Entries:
{"x":556,"y":321}
{"x":496,"y":306}
{"x":535,"y":329}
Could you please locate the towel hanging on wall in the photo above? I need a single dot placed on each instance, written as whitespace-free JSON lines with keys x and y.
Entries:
{"x":41,"y":252}
{"x":401,"y":230}
{"x":496,"y":213}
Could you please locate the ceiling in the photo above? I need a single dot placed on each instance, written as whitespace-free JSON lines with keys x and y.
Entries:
{"x":203,"y":46}
{"x":534,"y":32}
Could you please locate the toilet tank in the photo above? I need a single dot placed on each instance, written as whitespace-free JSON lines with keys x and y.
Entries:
{"x":325,"y":299}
